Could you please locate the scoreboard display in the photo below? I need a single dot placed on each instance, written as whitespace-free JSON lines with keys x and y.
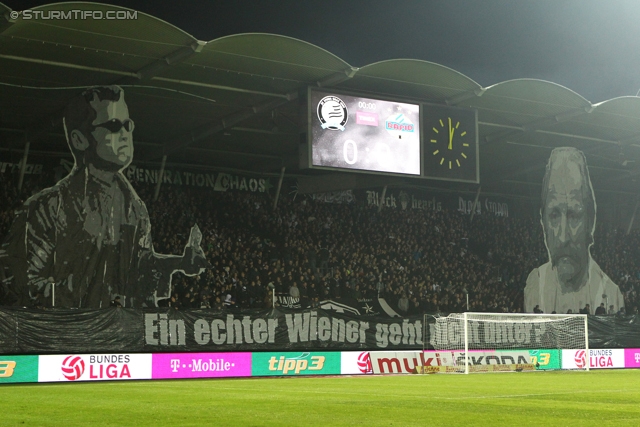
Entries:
{"x":381,"y":136}
{"x":365,"y":134}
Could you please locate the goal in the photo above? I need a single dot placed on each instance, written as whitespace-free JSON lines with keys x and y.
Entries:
{"x":499,"y":342}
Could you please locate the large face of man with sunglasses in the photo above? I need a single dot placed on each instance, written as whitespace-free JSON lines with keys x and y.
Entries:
{"x":89,"y":236}
{"x":112,"y":133}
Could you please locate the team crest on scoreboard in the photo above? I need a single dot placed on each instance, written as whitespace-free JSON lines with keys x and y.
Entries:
{"x":333,"y":113}
{"x":399,"y":124}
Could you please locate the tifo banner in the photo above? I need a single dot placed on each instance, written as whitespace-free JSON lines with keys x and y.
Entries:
{"x":597,"y":359}
{"x":201,"y":365}
{"x":18,"y":369}
{"x":291,"y":363}
{"x":465,"y":204}
{"x":94,"y":367}
{"x":173,"y":331}
{"x":31,"y":169}
{"x":218,"y":181}
{"x":166,"y":330}
{"x":337,"y":197}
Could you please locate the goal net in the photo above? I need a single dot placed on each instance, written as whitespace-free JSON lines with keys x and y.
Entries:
{"x":497,"y":342}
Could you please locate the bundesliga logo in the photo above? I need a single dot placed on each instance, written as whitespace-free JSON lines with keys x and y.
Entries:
{"x":580,"y":359}
{"x":72,"y":367}
{"x":364,"y":363}
{"x":637,"y":357}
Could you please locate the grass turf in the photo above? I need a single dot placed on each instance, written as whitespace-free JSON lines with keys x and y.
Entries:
{"x":597,"y":398}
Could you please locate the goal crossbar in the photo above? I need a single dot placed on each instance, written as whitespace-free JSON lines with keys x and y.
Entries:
{"x":525,"y":331}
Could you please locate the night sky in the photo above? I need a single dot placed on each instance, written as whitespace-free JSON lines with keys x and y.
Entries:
{"x":590,"y":46}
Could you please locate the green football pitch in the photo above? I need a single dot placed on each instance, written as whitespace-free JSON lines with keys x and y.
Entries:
{"x":596,"y":398}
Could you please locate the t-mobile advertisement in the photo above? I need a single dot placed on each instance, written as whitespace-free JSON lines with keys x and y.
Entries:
{"x":632,"y":357}
{"x":94,"y":367}
{"x":201,"y":365}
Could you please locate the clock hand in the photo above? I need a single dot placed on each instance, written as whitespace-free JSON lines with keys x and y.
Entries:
{"x":451,"y":132}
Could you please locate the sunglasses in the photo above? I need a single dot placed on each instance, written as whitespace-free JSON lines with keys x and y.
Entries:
{"x":115,"y":125}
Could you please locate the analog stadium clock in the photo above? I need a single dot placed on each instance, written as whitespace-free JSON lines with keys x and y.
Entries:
{"x":450,"y":143}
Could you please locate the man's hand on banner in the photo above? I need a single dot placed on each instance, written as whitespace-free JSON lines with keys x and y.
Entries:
{"x":194,"y":261}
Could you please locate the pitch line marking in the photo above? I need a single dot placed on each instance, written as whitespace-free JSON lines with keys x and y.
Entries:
{"x":504,"y":396}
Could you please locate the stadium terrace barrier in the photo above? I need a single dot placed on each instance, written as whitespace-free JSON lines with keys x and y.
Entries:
{"x":28,"y":331}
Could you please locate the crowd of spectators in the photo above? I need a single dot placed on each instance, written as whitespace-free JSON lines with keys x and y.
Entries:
{"x":418,"y":260}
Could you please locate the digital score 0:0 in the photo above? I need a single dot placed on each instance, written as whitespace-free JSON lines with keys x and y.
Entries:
{"x":356,"y":133}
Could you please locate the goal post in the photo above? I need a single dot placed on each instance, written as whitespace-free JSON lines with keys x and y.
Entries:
{"x":497,"y":342}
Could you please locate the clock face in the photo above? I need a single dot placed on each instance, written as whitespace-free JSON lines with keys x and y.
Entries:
{"x":450,"y":143}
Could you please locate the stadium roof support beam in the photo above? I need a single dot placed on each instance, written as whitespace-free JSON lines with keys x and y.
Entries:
{"x":145,"y":73}
{"x":50,"y":122}
{"x":23,"y":163}
{"x":222,"y":87}
{"x":384,"y":194}
{"x":69,"y":65}
{"x":160,"y":178}
{"x":633,"y":218}
{"x":537,"y":125}
{"x":612,"y":179}
{"x":6,"y":22}
{"x":224,"y":123}
{"x":337,"y":78}
{"x":464,"y":96}
{"x":275,"y":200}
{"x":244,"y":114}
{"x":149,"y":71}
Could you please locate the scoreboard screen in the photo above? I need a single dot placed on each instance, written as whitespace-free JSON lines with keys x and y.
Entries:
{"x":363,"y":134}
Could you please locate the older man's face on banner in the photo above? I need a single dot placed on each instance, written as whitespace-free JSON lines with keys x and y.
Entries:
{"x":565,"y":221}
{"x":113,"y":146}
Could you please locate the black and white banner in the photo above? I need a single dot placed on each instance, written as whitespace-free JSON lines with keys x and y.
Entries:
{"x":24,"y":331}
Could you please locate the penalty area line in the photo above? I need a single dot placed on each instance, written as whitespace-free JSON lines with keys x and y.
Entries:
{"x":508,"y":396}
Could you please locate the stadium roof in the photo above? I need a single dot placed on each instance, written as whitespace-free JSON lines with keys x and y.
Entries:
{"x":232,"y":103}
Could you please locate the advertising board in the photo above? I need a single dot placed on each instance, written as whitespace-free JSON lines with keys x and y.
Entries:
{"x":18,"y":369}
{"x":201,"y":365}
{"x":405,"y":362}
{"x":295,"y":363}
{"x":94,"y":367}
{"x":632,"y":357}
{"x":355,"y":363}
{"x":597,"y":359}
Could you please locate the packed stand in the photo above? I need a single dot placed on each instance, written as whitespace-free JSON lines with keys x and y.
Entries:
{"x":420,"y":261}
